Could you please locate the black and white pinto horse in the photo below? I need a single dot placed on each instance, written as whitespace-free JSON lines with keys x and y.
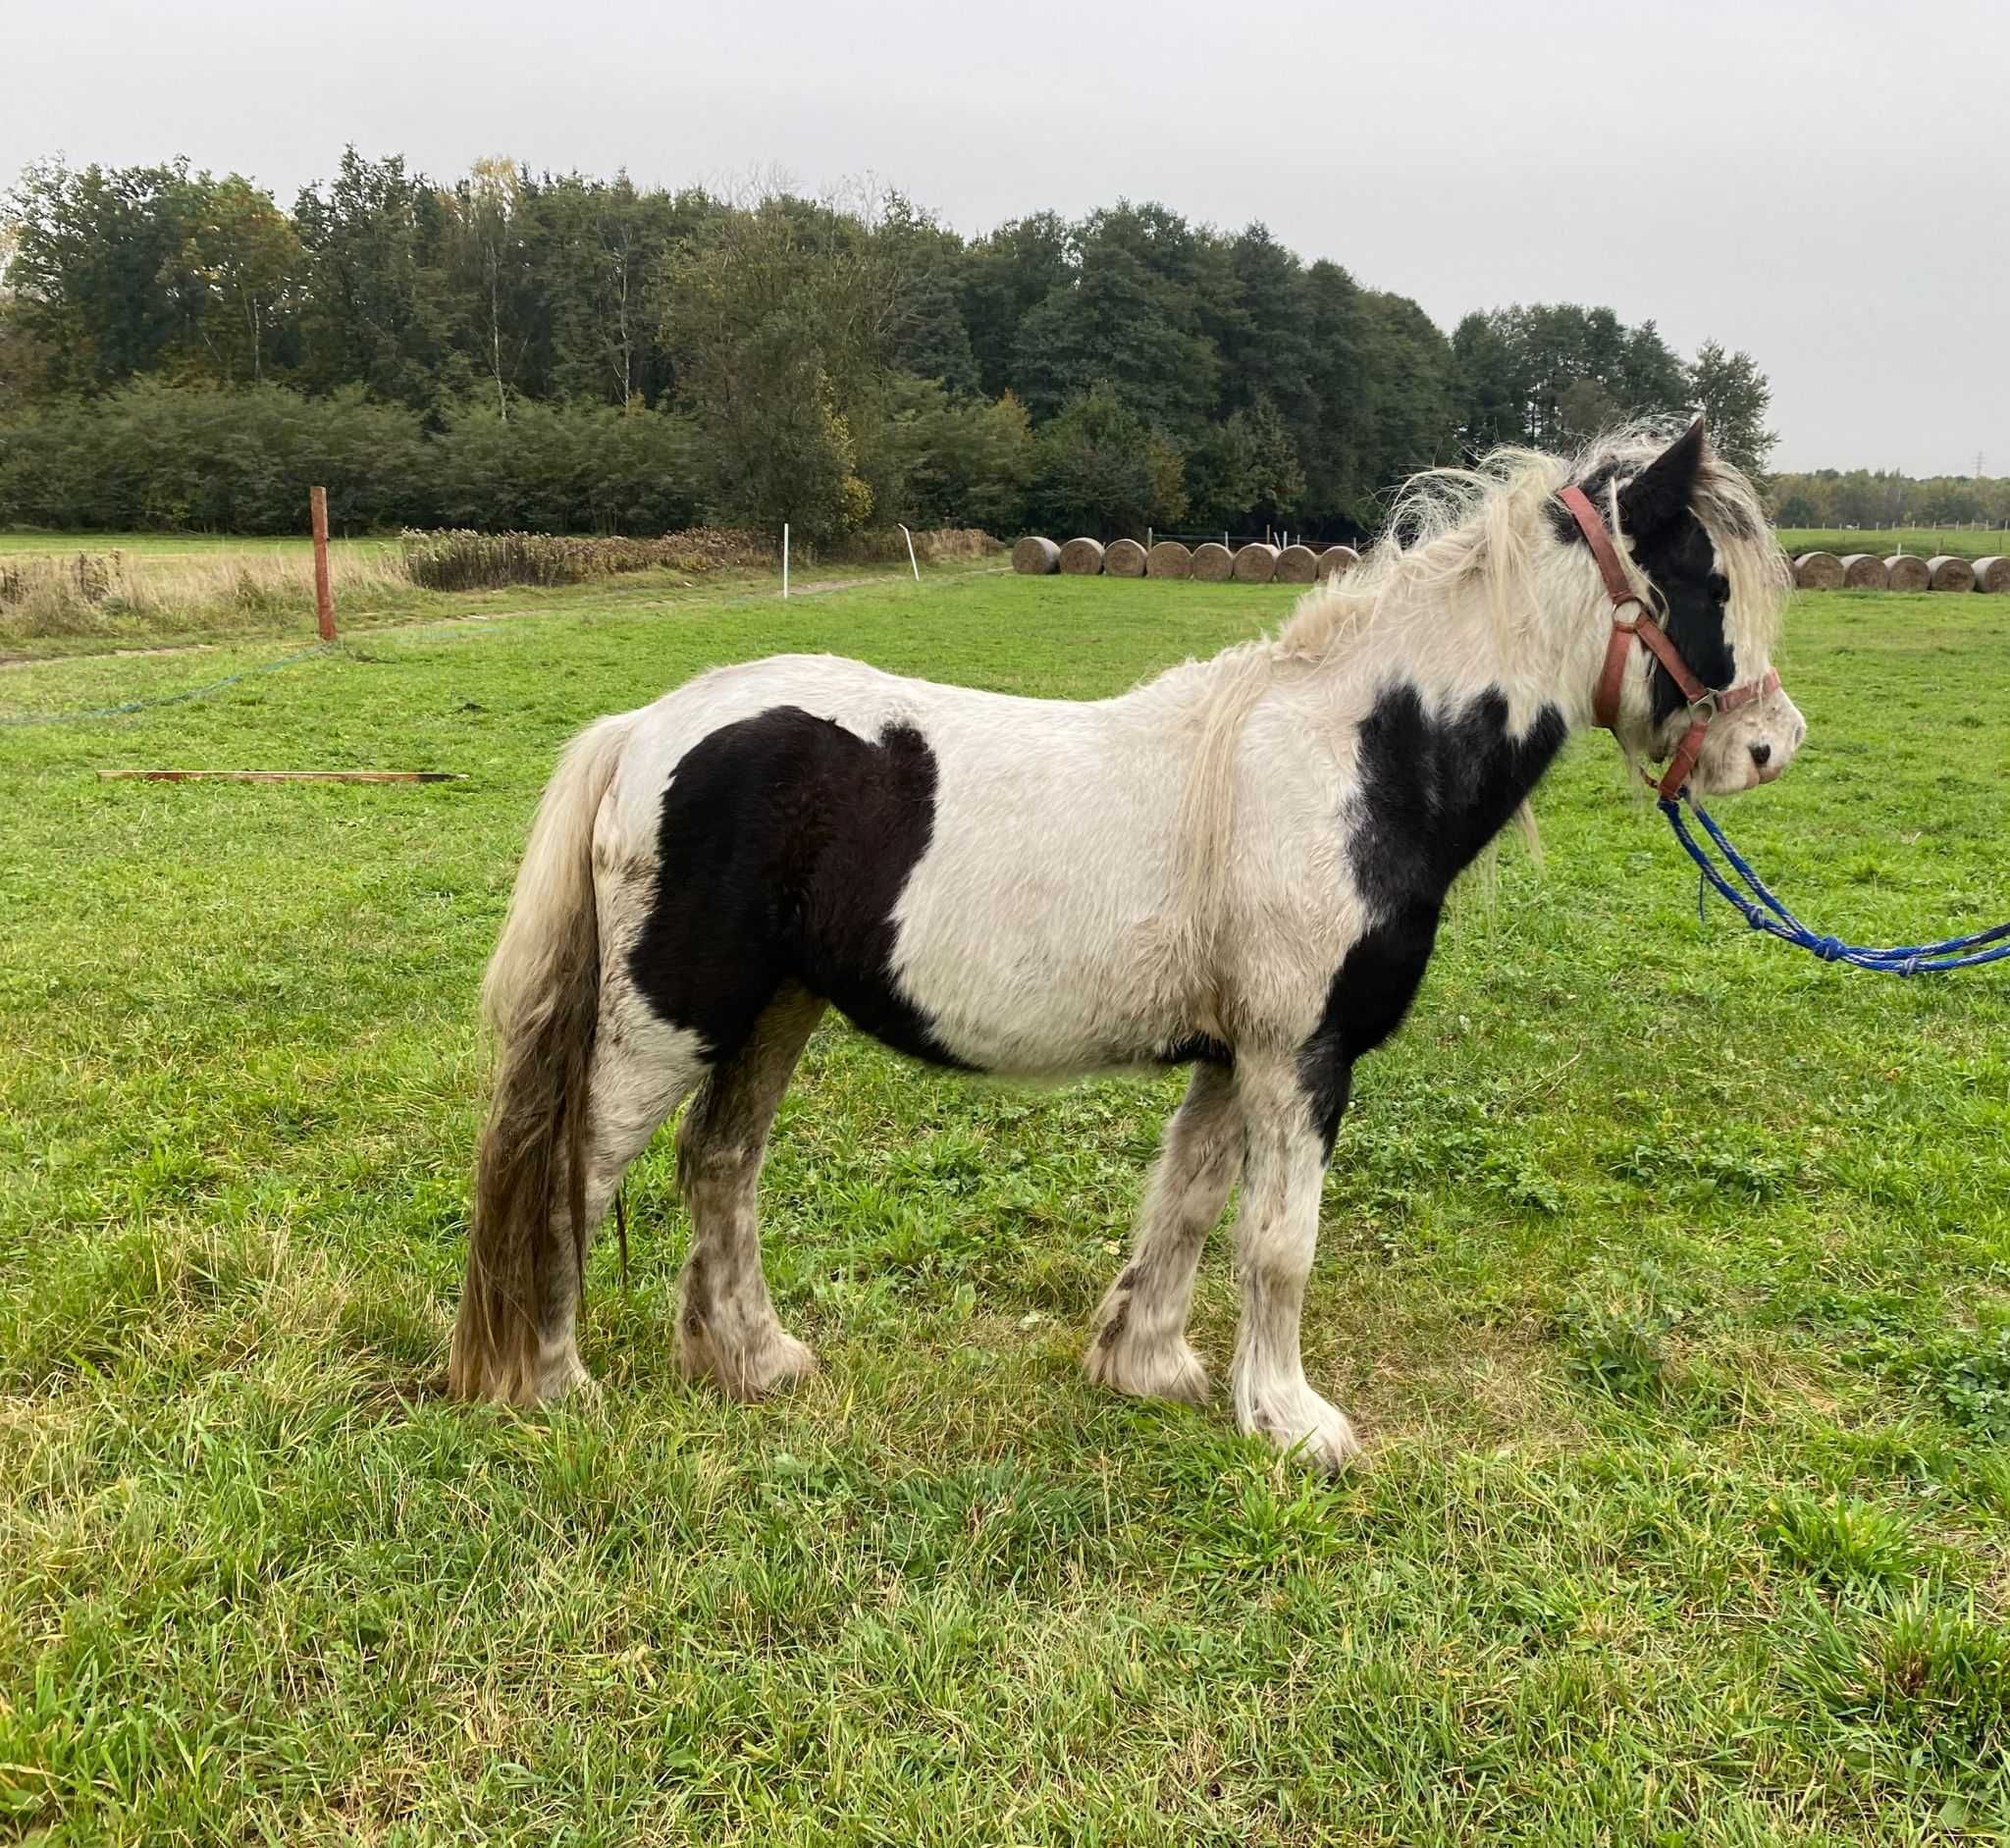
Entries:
{"x":1240,"y":865}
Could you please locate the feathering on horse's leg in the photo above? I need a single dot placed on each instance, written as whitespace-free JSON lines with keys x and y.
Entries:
{"x":1141,"y":1341}
{"x":727,"y":1330}
{"x":1276,"y":1232}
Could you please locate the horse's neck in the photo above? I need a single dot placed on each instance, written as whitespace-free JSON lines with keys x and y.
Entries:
{"x":1454,"y":653}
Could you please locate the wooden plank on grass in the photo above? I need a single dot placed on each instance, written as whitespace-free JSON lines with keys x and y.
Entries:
{"x":286,"y":776}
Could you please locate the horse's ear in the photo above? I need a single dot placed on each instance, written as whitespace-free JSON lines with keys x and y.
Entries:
{"x":1661,"y":491}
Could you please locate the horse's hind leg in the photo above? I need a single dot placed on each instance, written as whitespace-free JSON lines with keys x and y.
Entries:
{"x":1141,"y":1339}
{"x":642,"y":1071}
{"x":726,"y":1326}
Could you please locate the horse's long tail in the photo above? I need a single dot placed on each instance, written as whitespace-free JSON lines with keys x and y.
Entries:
{"x":540,"y":999}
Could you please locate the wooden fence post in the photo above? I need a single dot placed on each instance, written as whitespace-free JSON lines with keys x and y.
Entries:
{"x":324,"y":596}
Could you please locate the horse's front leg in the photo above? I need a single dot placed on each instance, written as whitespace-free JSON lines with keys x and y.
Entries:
{"x":1276,"y":1232}
{"x":1141,"y":1338}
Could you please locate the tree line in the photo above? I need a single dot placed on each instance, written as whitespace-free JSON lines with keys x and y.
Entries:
{"x":1865,"y":497}
{"x":576,"y":353}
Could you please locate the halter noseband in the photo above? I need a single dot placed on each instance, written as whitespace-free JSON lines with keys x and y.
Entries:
{"x":1705,"y":703}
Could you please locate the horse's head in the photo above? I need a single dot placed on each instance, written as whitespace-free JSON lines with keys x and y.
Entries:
{"x":1717,"y":581}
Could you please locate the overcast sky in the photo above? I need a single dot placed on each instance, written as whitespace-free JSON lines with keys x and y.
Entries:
{"x":1823,"y":183}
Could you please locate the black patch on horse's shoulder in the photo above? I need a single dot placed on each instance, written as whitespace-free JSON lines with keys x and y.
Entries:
{"x":785,"y":843}
{"x":1437,"y":788}
{"x":1434,"y":790}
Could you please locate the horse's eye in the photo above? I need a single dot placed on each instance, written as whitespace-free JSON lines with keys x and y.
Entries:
{"x":1719,"y":588}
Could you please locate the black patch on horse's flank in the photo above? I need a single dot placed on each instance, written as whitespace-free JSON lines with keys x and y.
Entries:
{"x":1433,"y":792}
{"x":784,"y":844}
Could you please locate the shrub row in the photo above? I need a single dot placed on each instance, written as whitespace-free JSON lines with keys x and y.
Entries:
{"x":160,"y":457}
{"x":462,"y":560}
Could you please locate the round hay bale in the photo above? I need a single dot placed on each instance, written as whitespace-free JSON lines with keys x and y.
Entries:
{"x":1338,"y":561}
{"x":1907,"y":571}
{"x":1213,"y":562}
{"x":1813,"y":571}
{"x":1035,"y":557}
{"x":1949,"y":573}
{"x":1993,"y":574}
{"x":1082,"y":557}
{"x":1124,"y":557}
{"x":1863,"y":571}
{"x":1169,"y":559}
{"x":1255,"y":563}
{"x":1296,"y":565}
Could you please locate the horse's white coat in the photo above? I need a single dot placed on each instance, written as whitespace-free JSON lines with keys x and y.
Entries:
{"x":1106,"y":880}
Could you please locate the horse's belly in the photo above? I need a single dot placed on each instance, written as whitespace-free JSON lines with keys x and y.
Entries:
{"x":1047,"y":995}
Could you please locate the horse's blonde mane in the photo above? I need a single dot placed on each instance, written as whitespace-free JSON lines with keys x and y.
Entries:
{"x":1449,"y":528}
{"x":1448,"y":531}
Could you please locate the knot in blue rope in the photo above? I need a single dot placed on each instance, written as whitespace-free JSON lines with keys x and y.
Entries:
{"x":1763,"y":910}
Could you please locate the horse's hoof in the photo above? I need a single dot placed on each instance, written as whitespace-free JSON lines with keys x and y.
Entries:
{"x":775,"y":1361}
{"x":565,"y":1382}
{"x":783,"y":1361}
{"x":1305,"y":1426}
{"x":1170,"y":1370}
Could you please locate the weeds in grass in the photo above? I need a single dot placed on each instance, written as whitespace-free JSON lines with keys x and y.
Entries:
{"x":1840,"y":1542}
{"x":1616,"y":1325}
{"x":1930,"y":1677}
{"x":1966,"y":1374}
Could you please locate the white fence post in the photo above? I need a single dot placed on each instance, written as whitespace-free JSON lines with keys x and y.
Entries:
{"x":785,"y":558}
{"x":912,"y":565}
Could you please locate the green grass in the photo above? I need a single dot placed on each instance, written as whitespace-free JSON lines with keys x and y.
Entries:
{"x":1667,"y":1271}
{"x":1922,"y":542}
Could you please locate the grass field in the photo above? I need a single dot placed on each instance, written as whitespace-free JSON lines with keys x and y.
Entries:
{"x":150,"y":591}
{"x":1668,"y":1272}
{"x":1922,"y":542}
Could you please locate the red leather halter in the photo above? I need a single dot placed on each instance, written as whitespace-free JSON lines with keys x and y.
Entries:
{"x":1705,"y":703}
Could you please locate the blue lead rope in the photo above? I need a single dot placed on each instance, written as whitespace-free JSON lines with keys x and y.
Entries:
{"x":1763,"y":911}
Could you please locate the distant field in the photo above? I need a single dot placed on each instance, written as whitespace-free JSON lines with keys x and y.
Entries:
{"x":205,"y":547}
{"x":1667,"y":1271}
{"x":1883,"y":543}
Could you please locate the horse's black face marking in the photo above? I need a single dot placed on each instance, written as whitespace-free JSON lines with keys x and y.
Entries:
{"x":784,"y":844}
{"x":1681,"y":563}
{"x":1672,"y":548}
{"x":1433,"y":792}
